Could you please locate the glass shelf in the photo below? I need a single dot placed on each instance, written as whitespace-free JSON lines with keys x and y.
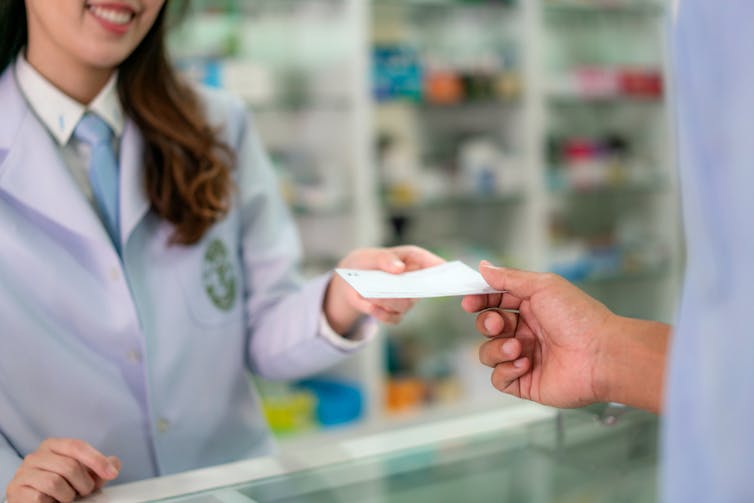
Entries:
{"x":648,"y":274}
{"x":461,"y":106}
{"x":460,"y":202}
{"x":306,"y":104}
{"x":574,"y":7}
{"x":445,"y":4}
{"x":563,"y":99}
{"x":656,"y":186}
{"x":335,"y":210}
{"x":566,"y":456}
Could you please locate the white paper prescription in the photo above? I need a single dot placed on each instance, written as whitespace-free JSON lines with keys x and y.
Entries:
{"x":445,"y":280}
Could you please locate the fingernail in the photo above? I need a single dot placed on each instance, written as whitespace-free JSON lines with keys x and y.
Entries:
{"x":519,"y":363}
{"x":112,"y":471}
{"x":488,"y":326}
{"x":508,"y":347}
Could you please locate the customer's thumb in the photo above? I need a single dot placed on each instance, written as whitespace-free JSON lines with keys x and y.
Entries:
{"x":521,"y":284}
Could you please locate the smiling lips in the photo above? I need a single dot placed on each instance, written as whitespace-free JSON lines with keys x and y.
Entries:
{"x":114,"y":17}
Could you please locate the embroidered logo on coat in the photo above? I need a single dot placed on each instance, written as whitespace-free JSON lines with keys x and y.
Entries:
{"x":218,"y":275}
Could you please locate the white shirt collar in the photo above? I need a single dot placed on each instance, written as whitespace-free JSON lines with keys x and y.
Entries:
{"x":60,"y":113}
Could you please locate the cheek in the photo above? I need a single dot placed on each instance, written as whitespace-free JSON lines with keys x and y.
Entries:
{"x":151,"y":11}
{"x":61,"y":26}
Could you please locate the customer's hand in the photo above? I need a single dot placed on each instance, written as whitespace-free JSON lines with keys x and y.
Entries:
{"x":343,"y":305}
{"x":551,"y":351}
{"x":61,"y":469}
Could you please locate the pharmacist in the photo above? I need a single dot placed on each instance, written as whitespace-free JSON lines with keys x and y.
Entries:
{"x":147,"y":260}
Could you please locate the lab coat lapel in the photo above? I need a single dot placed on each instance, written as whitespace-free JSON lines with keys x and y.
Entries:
{"x":33,"y":172}
{"x":133,"y":199}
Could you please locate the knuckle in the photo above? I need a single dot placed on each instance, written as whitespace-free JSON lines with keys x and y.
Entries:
{"x":485,"y":356}
{"x":499,"y":378}
{"x":32,"y":458}
{"x":549,"y":277}
{"x":59,"y":484}
{"x":34,"y":497}
{"x":75,"y":443}
{"x":495,"y":379}
{"x":53,"y":484}
{"x":70,"y":468}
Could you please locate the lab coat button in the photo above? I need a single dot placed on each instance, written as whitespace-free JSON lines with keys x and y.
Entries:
{"x":163,"y":425}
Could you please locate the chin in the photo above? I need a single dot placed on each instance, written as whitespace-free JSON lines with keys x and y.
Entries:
{"x":104,"y":58}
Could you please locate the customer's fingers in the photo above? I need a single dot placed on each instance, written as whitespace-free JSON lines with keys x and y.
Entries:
{"x":504,"y":375}
{"x":474,"y":303}
{"x":497,"y":351}
{"x":497,"y":323}
{"x":521,"y":284}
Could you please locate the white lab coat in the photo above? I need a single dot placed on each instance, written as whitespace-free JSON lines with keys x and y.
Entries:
{"x":145,"y":358}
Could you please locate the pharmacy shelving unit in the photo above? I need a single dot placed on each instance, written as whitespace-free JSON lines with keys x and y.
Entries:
{"x":453,"y":124}
{"x":446,"y":124}
{"x":610,"y":170}
{"x":569,"y":169}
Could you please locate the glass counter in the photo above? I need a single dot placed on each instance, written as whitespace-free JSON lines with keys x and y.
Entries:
{"x":532,"y":454}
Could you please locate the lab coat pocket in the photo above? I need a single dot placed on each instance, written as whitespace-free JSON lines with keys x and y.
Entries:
{"x":211,"y":284}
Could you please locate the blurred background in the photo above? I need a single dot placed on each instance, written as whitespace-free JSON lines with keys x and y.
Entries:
{"x":531,"y":133}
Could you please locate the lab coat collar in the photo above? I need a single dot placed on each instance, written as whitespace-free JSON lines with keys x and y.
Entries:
{"x":33,"y":173}
{"x":60,"y":113}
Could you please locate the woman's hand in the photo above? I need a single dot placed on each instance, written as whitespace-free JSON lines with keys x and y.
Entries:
{"x":61,"y":469}
{"x":343,"y":306}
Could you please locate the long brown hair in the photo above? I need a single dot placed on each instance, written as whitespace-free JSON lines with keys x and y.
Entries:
{"x":187,"y":167}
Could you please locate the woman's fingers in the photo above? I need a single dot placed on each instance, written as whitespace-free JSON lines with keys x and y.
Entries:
{"x":100,"y":482}
{"x":61,"y":469}
{"x":416,"y":258}
{"x":49,"y":484}
{"x":390,"y":262}
{"x":83,"y":453}
{"x":27,"y":494}
{"x":385,"y":316}
{"x":395,"y":305}
{"x":70,"y":469}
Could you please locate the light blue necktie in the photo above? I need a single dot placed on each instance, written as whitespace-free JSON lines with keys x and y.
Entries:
{"x":103,"y":171}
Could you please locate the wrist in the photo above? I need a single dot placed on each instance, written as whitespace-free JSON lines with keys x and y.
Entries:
{"x":340,"y":315}
{"x":631,"y":365}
